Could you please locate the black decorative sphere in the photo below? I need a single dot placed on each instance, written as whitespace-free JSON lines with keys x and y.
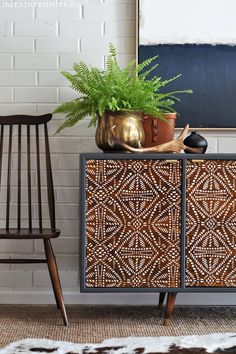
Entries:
{"x":195,"y":140}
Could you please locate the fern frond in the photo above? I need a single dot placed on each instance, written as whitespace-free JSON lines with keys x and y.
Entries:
{"x":165,"y":82}
{"x":66,"y":107}
{"x":112,"y":50}
{"x":117,"y":88}
{"x":93,"y":121}
{"x":72,"y":118}
{"x":140,"y":67}
{"x":146,"y":73}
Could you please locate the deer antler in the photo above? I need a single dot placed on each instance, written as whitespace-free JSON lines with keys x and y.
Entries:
{"x":175,"y":145}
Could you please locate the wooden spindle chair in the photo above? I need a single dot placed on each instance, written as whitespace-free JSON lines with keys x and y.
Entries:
{"x":11,"y":128}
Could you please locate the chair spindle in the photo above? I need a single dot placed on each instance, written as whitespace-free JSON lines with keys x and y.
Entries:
{"x":9,"y":178}
{"x":38,"y":178}
{"x":1,"y":151}
{"x":29,"y":179}
{"x":50,"y":191}
{"x":19,"y":180}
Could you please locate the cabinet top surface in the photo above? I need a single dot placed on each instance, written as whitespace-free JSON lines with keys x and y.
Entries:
{"x":181,"y":156}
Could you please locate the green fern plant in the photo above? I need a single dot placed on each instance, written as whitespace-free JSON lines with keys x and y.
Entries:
{"x":116,"y":89}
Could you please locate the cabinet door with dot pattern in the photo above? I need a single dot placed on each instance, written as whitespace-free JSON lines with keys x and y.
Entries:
{"x":133,"y":223}
{"x":211,"y":224}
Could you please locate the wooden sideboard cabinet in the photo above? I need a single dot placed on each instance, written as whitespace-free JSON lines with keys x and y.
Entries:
{"x":158,"y":223}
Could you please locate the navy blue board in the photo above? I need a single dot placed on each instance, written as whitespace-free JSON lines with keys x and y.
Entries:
{"x":210,"y":71}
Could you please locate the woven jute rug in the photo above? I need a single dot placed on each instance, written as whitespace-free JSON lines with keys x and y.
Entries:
{"x":93,"y":324}
{"x":211,"y":343}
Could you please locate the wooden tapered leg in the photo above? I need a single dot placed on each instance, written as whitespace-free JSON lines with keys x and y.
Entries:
{"x":169,"y":308}
{"x":161,"y":300}
{"x":53,"y":271}
{"x":47,"y":257}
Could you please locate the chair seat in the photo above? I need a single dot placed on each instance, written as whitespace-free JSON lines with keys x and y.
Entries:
{"x":26,"y":234}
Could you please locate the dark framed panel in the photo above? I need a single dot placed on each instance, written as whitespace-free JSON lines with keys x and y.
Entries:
{"x":207,"y":68}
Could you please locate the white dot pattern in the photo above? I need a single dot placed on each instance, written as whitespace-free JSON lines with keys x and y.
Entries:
{"x":211,"y":224}
{"x":133,"y":223}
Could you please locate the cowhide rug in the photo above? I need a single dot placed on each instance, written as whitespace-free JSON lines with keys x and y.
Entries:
{"x":224,"y":343}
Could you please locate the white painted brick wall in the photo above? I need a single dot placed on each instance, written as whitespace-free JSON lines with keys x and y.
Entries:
{"x":14,"y":108}
{"x":51,"y":78}
{"x":35,"y":44}
{"x":67,"y":94}
{"x":17,"y":78}
{"x":41,"y":279}
{"x":67,"y":60}
{"x":80,"y":29}
{"x":16,"y":45}
{"x":37,"y":28}
{"x":35,"y":94}
{"x":58,"y":45}
{"x":15,"y":278}
{"x":6,"y":94}
{"x":36,"y":61}
{"x":60,"y":14}
{"x":6,"y":61}
{"x":5,"y":28}
{"x":16,"y":14}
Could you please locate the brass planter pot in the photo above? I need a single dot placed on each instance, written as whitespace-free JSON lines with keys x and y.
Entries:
{"x":125,"y":126}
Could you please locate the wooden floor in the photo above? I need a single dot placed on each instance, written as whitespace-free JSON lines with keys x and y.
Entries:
{"x":89,"y":324}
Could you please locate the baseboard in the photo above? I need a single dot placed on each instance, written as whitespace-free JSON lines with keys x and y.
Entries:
{"x":75,"y":297}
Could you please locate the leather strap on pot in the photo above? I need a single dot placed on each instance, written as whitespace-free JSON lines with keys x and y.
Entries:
{"x":154,"y":129}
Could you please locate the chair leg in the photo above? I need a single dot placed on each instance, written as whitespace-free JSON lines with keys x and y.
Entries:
{"x":169,"y":308}
{"x":53,"y":271}
{"x":161,"y":300}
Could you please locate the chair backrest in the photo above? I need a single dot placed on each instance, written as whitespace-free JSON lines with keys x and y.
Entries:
{"x":26,"y":132}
